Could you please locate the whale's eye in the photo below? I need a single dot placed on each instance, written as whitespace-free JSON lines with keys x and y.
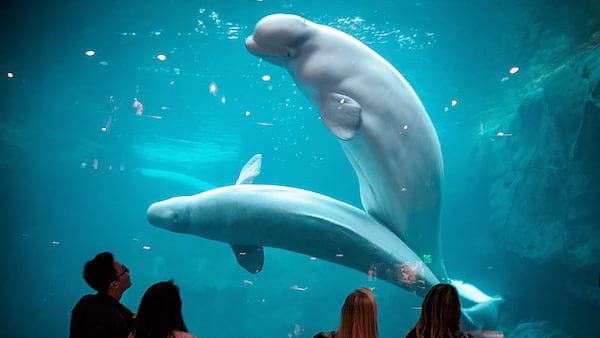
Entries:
{"x":288,"y":53}
{"x":175,"y":218}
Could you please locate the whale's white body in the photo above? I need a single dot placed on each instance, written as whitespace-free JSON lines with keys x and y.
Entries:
{"x":382,"y":126}
{"x":390,"y":141}
{"x":302,"y":221}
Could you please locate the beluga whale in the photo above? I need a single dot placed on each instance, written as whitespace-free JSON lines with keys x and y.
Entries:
{"x":388,"y":138}
{"x":251,"y":216}
{"x":382,"y":126}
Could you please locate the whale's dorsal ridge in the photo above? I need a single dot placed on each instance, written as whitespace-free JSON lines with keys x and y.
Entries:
{"x":341,"y":114}
{"x":250,"y":170}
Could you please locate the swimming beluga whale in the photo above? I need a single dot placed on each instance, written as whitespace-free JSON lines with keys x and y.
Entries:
{"x":378,"y":118}
{"x":249,"y":217}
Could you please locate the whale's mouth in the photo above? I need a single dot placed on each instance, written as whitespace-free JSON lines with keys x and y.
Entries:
{"x":251,"y":44}
{"x":164,"y":217}
{"x":257,"y":49}
{"x":277,"y":55}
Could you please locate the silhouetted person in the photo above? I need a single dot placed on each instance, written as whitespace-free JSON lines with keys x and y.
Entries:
{"x":159,"y":315}
{"x":102,"y":315}
{"x":359,"y":317}
{"x":440,"y":315}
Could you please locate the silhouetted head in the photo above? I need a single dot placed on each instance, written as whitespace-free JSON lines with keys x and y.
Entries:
{"x":106,"y":275}
{"x":159,"y":312}
{"x":359,"y":315}
{"x":440,"y":313}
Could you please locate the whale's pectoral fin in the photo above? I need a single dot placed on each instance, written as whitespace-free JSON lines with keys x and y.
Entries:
{"x":250,"y":257}
{"x":341,"y":115}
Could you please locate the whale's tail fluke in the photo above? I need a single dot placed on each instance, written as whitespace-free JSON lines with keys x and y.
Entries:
{"x":482,"y":315}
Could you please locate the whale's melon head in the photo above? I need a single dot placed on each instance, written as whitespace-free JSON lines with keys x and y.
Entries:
{"x":172,"y":214}
{"x":276,"y":37}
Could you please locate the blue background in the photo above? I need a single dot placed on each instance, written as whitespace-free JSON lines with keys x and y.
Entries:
{"x":519,"y":213}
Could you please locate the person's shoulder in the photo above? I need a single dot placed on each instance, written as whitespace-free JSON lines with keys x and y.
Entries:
{"x":325,"y":335}
{"x":85,"y":301}
{"x":88,"y":298}
{"x":100,"y":304}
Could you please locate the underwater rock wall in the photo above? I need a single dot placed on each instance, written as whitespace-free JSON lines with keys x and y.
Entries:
{"x":552,"y":179}
{"x":537,"y":329}
{"x":544,"y":191}
{"x":543,"y":180}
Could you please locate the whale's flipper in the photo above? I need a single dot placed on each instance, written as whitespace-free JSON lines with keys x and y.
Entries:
{"x":471,"y":292}
{"x":341,"y":115}
{"x":484,"y":314}
{"x":250,"y":170}
{"x":250,"y":257}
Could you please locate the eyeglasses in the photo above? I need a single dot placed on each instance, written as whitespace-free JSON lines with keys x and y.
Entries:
{"x":125,"y":270}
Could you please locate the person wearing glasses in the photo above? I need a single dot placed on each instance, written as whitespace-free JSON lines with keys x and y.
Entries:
{"x":102,"y":315}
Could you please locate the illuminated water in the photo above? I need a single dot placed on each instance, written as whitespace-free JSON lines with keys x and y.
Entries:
{"x":207,"y":109}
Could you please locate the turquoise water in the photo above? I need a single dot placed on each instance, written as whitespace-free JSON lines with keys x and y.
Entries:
{"x":520,"y":194}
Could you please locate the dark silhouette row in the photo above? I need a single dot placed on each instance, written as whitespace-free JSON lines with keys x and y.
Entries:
{"x":159,"y":314}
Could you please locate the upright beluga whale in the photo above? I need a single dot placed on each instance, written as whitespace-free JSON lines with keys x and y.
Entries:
{"x":390,"y":141}
{"x":382,"y":125}
{"x":383,"y":129}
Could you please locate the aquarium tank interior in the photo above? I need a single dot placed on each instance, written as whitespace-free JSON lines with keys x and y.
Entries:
{"x":111,"y":106}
